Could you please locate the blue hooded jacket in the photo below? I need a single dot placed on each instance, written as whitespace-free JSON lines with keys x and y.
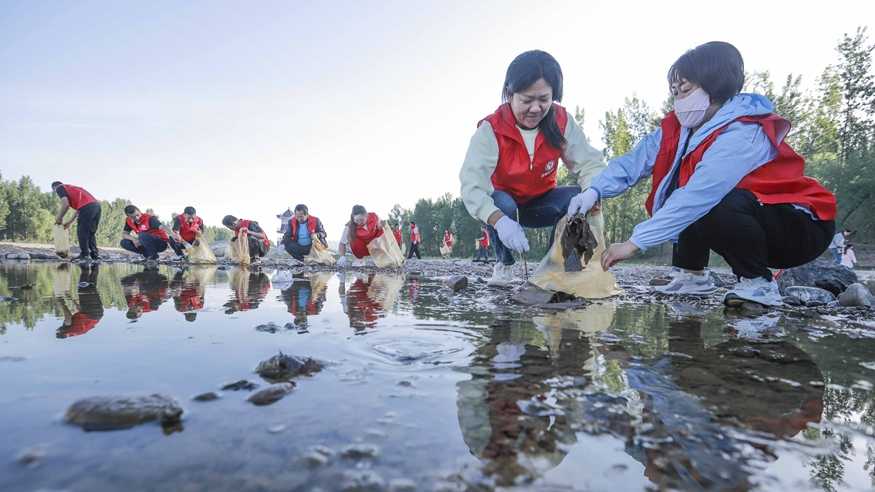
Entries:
{"x":738,"y":151}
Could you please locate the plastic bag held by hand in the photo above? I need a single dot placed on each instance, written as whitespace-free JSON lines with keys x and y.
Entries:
{"x":200,"y":253}
{"x":589,"y":280}
{"x":240,"y":248}
{"x":62,"y":241}
{"x":319,"y":255}
{"x":385,"y":251}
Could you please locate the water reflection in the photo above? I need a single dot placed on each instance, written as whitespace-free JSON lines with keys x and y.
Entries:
{"x":188,"y":288}
{"x":248,"y":287}
{"x":369,"y":297}
{"x":305,"y":297}
{"x":144,"y":292}
{"x":83,"y":313}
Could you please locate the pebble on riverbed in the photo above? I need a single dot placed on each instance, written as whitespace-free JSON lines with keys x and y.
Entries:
{"x":240,"y":385}
{"x":360,"y":451}
{"x":102,"y":413}
{"x":282,"y":367}
{"x":457,"y":282}
{"x":209,"y":396}
{"x":271,"y":394}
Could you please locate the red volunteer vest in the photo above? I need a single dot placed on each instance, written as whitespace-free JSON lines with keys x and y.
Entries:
{"x":484,"y":240}
{"x":311,"y":226}
{"x":448,"y":239}
{"x":78,"y":197}
{"x":397,"y":234}
{"x":244,"y":224}
{"x":781,"y":180}
{"x":414,"y":235}
{"x":364,"y":235}
{"x":142,"y":227}
{"x":515,"y":173}
{"x":81,"y":324}
{"x":189,"y":230}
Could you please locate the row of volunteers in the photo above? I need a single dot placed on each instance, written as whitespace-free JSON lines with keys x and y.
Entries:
{"x":724,"y":178}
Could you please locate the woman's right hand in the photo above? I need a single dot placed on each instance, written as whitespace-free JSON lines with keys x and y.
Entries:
{"x":583,"y":202}
{"x":512,"y":234}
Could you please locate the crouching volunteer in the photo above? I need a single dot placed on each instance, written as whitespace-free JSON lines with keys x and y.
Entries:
{"x":303,"y":229}
{"x":259,"y":244}
{"x":187,"y":227}
{"x":362,"y":228}
{"x":512,"y":161}
{"x":724,"y":179}
{"x":143,"y":234}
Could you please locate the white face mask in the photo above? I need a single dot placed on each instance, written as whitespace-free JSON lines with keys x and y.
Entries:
{"x":691,"y":109}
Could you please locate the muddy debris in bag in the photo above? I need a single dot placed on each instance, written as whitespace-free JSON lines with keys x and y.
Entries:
{"x":578,"y":243}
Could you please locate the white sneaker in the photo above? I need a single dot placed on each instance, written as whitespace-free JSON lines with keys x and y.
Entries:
{"x":502,"y":275}
{"x":758,"y":290}
{"x":684,"y":283}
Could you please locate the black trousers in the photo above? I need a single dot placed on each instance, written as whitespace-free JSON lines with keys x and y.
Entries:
{"x":86,"y":230}
{"x":752,"y":237}
{"x":297,"y":251}
{"x":414,"y":249}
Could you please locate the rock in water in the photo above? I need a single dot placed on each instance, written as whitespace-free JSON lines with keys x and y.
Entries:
{"x":282,"y":367}
{"x":578,"y":242}
{"x":240,"y":385}
{"x":857,"y":295}
{"x":810,"y":296}
{"x":271,"y":394}
{"x":209,"y":396}
{"x":101,"y":413}
{"x":457,"y":282}
{"x":532,"y":295}
{"x":819,"y":273}
{"x":268,"y":328}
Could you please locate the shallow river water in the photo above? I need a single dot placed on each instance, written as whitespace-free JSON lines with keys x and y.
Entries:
{"x":422,"y":389}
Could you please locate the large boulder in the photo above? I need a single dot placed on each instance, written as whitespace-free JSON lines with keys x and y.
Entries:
{"x":857,"y":295}
{"x":810,"y":296}
{"x":820,"y":273}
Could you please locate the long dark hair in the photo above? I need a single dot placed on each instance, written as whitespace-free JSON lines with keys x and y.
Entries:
{"x":356,"y":210}
{"x":524,"y":71}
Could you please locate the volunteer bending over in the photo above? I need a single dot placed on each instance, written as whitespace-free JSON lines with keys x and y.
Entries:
{"x":362,"y":228}
{"x":724,"y":179}
{"x":511,"y":164}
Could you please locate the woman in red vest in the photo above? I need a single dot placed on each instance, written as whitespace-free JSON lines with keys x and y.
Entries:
{"x":144,"y":234}
{"x":415,"y":240}
{"x":362,"y":228}
{"x":509,"y":174}
{"x":724,"y":179}
{"x":482,"y":253}
{"x":87,"y":215}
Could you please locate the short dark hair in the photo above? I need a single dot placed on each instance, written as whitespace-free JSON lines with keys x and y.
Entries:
{"x":716,"y":66}
{"x":190,"y":316}
{"x":228,"y":221}
{"x":189,"y":210}
{"x":301,"y":207}
{"x":413,"y":222}
{"x":524,"y":71}
{"x":56,"y":183}
{"x":129,"y":209}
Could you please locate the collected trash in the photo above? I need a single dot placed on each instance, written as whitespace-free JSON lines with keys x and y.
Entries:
{"x":574,"y":274}
{"x":384,"y":250}
{"x":62,"y":241}
{"x":200,"y":253}
{"x":319,"y":255}
{"x":238,"y":248}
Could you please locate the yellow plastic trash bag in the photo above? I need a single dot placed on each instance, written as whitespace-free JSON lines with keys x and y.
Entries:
{"x":319,"y":255}
{"x":239,"y":249}
{"x":200,"y":254}
{"x":591,"y":283}
{"x":62,"y":241}
{"x":384,"y":250}
{"x":593,"y":319}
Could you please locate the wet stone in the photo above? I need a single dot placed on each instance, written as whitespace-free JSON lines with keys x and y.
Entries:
{"x":792,"y":301}
{"x":101,"y":413}
{"x":811,"y":296}
{"x":857,"y":295}
{"x":457,"y":282}
{"x":360,"y":451}
{"x":822,"y":274}
{"x":314,"y":459}
{"x":208,"y":396}
{"x":282,"y":367}
{"x":402,"y":485}
{"x":240,"y":385}
{"x":31,"y":457}
{"x":271,"y":394}
{"x":268,"y":327}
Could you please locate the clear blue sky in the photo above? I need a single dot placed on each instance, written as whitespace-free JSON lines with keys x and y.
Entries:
{"x":249,"y":107}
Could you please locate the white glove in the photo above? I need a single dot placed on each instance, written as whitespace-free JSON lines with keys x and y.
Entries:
{"x":512,"y":234}
{"x":582,"y":202}
{"x":343,"y":262}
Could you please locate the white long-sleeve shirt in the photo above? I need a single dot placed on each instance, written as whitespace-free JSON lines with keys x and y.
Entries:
{"x":849,"y":259}
{"x":481,"y":160}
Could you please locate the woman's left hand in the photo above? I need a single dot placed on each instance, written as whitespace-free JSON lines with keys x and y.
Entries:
{"x":618,"y":252}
